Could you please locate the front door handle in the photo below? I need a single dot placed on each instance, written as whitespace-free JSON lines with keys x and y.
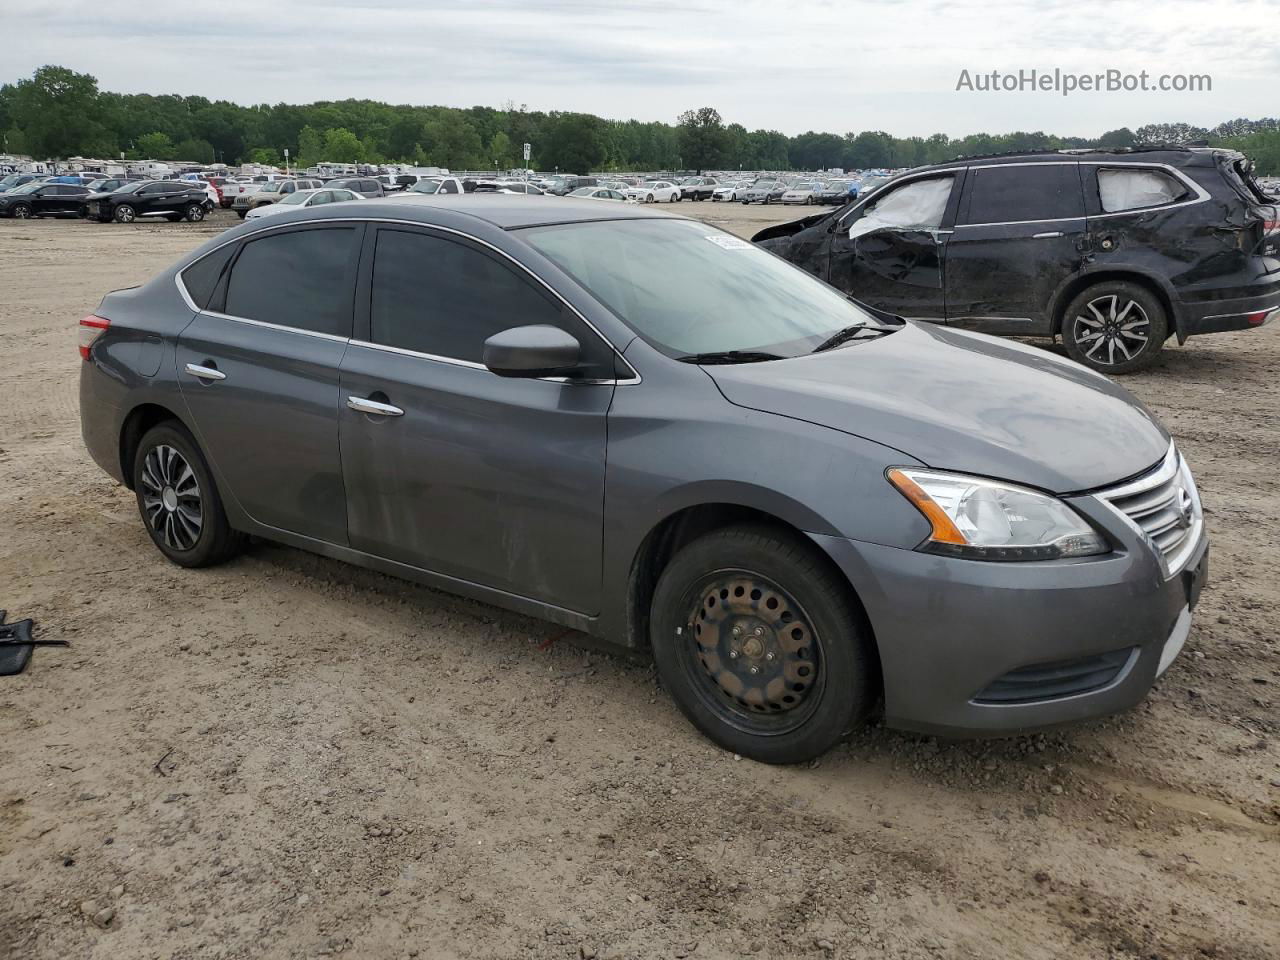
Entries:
{"x":1051,"y":235}
{"x":205,"y":373}
{"x":361,"y":405}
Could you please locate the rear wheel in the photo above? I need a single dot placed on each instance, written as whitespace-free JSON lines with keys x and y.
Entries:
{"x":1115,"y":327}
{"x":760,"y":645}
{"x":195,"y":212}
{"x":178,"y":501}
{"x":125,"y":213}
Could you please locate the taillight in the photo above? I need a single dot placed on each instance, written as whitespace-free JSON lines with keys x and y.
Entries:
{"x":91,"y":329}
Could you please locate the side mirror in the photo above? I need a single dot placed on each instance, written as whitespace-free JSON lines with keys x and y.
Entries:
{"x":532,"y":351}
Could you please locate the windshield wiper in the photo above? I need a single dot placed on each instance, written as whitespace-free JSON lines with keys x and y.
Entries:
{"x":854,"y":332}
{"x":731,"y":356}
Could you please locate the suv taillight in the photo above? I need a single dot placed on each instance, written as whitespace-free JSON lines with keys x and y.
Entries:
{"x":91,"y":329}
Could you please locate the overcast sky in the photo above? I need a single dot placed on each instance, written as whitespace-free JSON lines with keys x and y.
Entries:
{"x":792,"y":66}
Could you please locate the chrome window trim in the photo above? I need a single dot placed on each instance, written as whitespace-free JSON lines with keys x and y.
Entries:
{"x":621,"y":381}
{"x":275,"y":326}
{"x":471,"y":364}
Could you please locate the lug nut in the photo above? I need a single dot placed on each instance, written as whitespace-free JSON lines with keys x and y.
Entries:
{"x":759,"y":631}
{"x":737,"y":631}
{"x":733,"y":654}
{"x":768,"y":656}
{"x":755,"y":669}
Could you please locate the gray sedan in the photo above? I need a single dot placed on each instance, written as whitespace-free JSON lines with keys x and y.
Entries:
{"x":802,"y":509}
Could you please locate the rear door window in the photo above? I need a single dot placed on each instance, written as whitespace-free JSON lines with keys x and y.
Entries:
{"x":1024,"y":192}
{"x":303,"y":279}
{"x":1122,"y":188}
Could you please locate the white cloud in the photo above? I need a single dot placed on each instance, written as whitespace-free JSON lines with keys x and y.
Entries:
{"x":807,"y":64}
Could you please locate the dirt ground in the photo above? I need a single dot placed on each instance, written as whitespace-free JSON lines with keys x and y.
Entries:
{"x":289,"y":757}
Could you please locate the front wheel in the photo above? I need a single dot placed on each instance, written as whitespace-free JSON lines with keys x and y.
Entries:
{"x":761,"y":645}
{"x":649,"y":198}
{"x":22,"y":212}
{"x":1115,"y":327}
{"x":178,"y":501}
{"x":195,"y":212}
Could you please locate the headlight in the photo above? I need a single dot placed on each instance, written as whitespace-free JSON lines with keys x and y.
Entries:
{"x":987,"y":520}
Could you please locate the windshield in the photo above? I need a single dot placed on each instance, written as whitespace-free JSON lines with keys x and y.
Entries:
{"x":296,"y":198}
{"x":718,"y":292}
{"x":273,"y":187}
{"x":28,"y":187}
{"x":803,"y":186}
{"x":425,"y":186}
{"x":9,"y":180}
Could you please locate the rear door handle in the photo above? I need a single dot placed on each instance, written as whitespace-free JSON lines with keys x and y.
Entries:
{"x":1051,"y":235}
{"x":205,"y":373}
{"x":361,"y":405}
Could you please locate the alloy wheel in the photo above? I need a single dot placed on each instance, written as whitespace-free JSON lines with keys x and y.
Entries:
{"x":171,"y":499}
{"x":754,"y":654}
{"x":21,"y":212}
{"x":1106,"y":328}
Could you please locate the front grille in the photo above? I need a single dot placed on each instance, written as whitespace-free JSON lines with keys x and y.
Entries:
{"x":1164,"y":507}
{"x":1064,"y":678}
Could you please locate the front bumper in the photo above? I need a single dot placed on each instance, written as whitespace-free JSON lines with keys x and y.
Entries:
{"x":955,"y":636}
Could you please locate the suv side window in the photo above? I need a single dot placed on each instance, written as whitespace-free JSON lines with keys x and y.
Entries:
{"x":449,"y":187}
{"x":302,"y":278}
{"x":918,"y":205}
{"x":1028,"y":191}
{"x":154,"y":188}
{"x":1131,"y":188}
{"x":445,"y":298}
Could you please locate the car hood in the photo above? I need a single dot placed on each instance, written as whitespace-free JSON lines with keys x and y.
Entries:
{"x":966,"y":402}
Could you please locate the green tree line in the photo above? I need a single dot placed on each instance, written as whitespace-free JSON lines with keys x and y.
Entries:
{"x":57,"y":113}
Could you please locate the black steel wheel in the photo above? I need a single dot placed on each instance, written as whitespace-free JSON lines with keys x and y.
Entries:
{"x":178,"y":500}
{"x":761,"y":644}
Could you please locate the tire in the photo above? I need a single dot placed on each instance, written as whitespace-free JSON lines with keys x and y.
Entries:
{"x":1102,"y":327}
{"x":159,"y":470}
{"x":649,"y":198}
{"x":195,"y":213}
{"x":796,"y":679}
{"x":674,"y":198}
{"x":125,"y":213}
{"x":22,"y":212}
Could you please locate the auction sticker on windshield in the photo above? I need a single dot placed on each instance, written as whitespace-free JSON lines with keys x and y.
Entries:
{"x":728,"y":242}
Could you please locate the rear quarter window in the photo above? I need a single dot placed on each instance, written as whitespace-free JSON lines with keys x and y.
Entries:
{"x":201,"y":278}
{"x":1122,"y":188}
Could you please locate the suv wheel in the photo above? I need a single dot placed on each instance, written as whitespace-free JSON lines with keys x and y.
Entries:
{"x":22,"y":212}
{"x":125,"y":214}
{"x":178,"y":501}
{"x":1115,"y":327}
{"x":195,"y":212}
{"x":760,"y":645}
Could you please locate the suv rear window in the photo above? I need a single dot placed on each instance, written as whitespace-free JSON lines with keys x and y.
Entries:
{"x":1132,"y":188}
{"x":1028,"y":191}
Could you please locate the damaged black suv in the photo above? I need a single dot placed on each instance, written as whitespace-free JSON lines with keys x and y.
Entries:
{"x":1114,"y":252}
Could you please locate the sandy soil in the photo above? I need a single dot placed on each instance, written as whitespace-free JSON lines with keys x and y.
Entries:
{"x":289,"y":757}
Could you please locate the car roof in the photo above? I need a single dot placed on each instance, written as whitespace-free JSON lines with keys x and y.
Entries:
{"x":506,"y":211}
